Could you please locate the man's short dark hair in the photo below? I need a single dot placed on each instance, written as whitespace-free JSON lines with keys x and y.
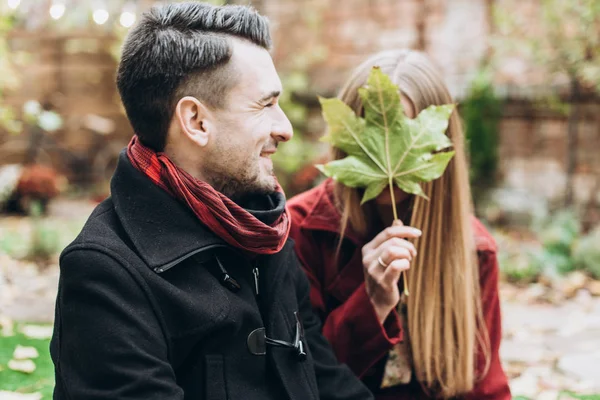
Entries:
{"x":178,"y":50}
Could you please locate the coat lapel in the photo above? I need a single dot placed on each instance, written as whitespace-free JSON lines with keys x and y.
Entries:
{"x":160,"y":227}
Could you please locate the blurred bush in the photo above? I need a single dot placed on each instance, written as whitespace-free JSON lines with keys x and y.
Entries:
{"x":296,"y":154}
{"x":586,"y":253}
{"x":520,"y":266}
{"x":38,"y":238}
{"x":45,"y":238}
{"x":559,"y":247}
{"x":558,"y":235}
{"x":481,"y":111}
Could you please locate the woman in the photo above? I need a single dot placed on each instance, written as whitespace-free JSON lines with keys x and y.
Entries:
{"x":442,"y":340}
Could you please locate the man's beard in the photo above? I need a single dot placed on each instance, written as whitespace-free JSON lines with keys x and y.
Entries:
{"x":247,"y":181}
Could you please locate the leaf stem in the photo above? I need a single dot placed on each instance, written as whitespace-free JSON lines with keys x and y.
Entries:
{"x":393,"y":198}
{"x":404,"y":275}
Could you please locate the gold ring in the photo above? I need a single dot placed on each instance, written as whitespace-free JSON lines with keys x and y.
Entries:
{"x":380,"y":261}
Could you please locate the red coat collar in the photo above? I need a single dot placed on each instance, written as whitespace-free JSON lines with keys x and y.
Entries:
{"x":324,"y":215}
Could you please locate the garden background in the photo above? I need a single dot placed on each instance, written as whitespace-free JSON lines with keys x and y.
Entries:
{"x":525,"y":75}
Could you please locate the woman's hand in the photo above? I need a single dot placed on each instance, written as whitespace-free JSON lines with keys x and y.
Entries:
{"x":384,"y":258}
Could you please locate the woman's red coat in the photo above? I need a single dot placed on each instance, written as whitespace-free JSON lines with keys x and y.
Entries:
{"x":349,"y":322}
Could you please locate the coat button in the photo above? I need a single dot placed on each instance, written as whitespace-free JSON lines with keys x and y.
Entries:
{"x":230,"y":283}
{"x":257,"y":343}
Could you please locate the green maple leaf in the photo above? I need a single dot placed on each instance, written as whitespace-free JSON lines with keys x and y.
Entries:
{"x":386,"y":147}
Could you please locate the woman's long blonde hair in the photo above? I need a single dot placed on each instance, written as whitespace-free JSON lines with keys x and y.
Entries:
{"x":445,"y":320}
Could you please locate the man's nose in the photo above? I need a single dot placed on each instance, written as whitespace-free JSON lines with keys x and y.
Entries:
{"x":282,"y":128}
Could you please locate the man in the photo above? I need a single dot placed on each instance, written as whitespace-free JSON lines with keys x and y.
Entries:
{"x":183,"y":284}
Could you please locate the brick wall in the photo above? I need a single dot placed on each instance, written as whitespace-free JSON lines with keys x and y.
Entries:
{"x":75,"y":74}
{"x":330,"y":37}
{"x":533,"y":152}
{"x":338,"y":35}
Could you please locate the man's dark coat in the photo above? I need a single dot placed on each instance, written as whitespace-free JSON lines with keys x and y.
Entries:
{"x":152,"y":305}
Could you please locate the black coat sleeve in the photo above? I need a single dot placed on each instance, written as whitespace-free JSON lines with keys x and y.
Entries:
{"x":335,"y":381}
{"x":107,"y":341}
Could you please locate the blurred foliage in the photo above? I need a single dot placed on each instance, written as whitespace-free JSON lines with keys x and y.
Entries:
{"x":38,"y":238}
{"x":45,"y":238}
{"x":286,"y":159}
{"x":300,"y":152}
{"x":574,"y":396}
{"x":481,"y":112}
{"x":586,"y":253}
{"x":8,"y":76}
{"x":294,"y":161}
{"x":560,"y":37}
{"x":520,"y":266}
{"x":562,"y":248}
{"x":566,"y":395}
{"x":34,"y":114}
{"x":558,"y":234}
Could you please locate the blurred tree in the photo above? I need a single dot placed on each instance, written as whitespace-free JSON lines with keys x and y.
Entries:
{"x":562,"y":39}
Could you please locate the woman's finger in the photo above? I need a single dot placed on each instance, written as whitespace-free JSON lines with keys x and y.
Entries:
{"x":397,"y":242}
{"x":383,"y":251}
{"x":391,"y":276}
{"x":392,"y":253}
{"x":402,"y":232}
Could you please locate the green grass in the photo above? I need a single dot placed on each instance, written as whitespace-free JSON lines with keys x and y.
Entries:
{"x":567,"y":395}
{"x":41,"y":380}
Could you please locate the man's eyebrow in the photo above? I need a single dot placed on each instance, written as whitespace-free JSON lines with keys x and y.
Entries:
{"x":270,"y":96}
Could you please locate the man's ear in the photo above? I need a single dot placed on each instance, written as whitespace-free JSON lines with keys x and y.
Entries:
{"x":194,"y":120}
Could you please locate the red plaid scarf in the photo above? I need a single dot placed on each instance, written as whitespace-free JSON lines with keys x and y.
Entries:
{"x":224,"y":217}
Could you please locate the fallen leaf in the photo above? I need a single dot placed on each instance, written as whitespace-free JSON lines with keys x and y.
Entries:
{"x":37,"y":331}
{"x":548,"y":395}
{"x":25,"y":366}
{"x":572,"y":283}
{"x":24,"y":353}
{"x":4,"y":395}
{"x":594,"y":288}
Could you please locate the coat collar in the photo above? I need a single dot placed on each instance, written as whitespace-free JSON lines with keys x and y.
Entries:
{"x":161,"y":228}
{"x":324,"y":215}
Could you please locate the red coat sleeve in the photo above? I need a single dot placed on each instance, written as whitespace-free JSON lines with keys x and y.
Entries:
{"x":494,"y":384}
{"x":353,"y":330}
{"x":357,"y":337}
